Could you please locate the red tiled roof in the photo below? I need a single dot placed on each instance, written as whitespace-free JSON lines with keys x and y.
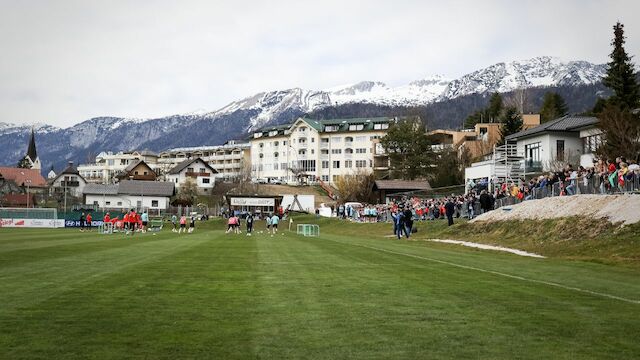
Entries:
{"x":20,"y":176}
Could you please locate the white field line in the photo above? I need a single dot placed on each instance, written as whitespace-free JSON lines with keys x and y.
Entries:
{"x":487,"y":247}
{"x":549,"y":283}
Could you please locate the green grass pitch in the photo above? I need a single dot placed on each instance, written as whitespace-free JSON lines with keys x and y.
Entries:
{"x":349,"y":293}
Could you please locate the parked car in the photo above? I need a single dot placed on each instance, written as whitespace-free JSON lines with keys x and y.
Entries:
{"x":276,"y":181}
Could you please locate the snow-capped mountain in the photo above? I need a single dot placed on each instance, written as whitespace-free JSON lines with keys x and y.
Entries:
{"x":536,"y":72}
{"x":239,"y":118}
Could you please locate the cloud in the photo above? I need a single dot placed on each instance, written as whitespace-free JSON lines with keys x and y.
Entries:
{"x":66,"y":61}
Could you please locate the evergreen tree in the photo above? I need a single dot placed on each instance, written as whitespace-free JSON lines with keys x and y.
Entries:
{"x":553,"y":107}
{"x":511,"y":123}
{"x":620,"y":73}
{"x":24,"y":163}
{"x":488,"y":114}
{"x":409,"y":150}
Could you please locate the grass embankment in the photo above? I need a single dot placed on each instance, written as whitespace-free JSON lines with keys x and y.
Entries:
{"x":567,"y":238}
{"x":350,"y":293}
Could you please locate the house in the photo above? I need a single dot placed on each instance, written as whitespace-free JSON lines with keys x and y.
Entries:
{"x":230,"y":160}
{"x":198,"y":170}
{"x":18,"y":200}
{"x":390,"y":189}
{"x":137,"y":170}
{"x":24,"y":179}
{"x":310,"y":150}
{"x":69,"y":180}
{"x":551,"y":145}
{"x":109,"y":164}
{"x":126,"y":194}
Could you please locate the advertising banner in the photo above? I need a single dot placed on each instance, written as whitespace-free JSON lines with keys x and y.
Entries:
{"x":246,"y":201}
{"x":76,"y":223}
{"x":31,"y":223}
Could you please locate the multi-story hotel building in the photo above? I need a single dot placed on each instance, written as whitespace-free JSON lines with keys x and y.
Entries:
{"x":310,"y":150}
{"x":229,"y":160}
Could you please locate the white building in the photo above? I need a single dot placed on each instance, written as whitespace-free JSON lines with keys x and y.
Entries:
{"x":310,"y":150}
{"x":229,"y":160}
{"x":68,"y":180}
{"x":196,"y":169}
{"x":108,"y":165}
{"x":127,"y":194}
{"x":551,"y":145}
{"x":548,"y":147}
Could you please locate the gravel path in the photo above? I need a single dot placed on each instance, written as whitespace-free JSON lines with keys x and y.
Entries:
{"x":615,"y":208}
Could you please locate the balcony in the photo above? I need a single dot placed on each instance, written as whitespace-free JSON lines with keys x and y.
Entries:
{"x":324,"y":145}
{"x":194,"y":174}
{"x":69,"y":183}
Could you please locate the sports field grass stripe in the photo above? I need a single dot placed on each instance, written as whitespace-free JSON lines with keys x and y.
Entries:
{"x":517,"y":277}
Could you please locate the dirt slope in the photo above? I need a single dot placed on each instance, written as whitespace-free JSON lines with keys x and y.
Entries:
{"x":615,"y":208}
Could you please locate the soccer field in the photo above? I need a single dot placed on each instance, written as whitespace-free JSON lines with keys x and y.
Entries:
{"x":350,"y":293}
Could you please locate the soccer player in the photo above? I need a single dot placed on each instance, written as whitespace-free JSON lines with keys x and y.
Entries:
{"x":174,"y":222}
{"x":145,"y":220}
{"x":82,"y":222}
{"x":274,"y":223}
{"x":183,"y":224}
{"x":89,"y":222}
{"x":268,"y":223}
{"x":192,"y":224}
{"x":249,"y":224}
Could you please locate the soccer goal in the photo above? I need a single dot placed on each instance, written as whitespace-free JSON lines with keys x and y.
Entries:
{"x":105,"y":228}
{"x":308,"y":230}
{"x":155,"y":224}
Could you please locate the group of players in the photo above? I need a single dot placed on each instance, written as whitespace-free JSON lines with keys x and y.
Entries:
{"x":233,"y":224}
{"x":130,"y":223}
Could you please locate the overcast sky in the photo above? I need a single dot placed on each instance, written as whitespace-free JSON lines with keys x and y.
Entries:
{"x":63,"y":62}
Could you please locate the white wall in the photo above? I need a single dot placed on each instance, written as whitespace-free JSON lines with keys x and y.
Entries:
{"x":127,"y":201}
{"x":180,"y":178}
{"x":479,"y":170}
{"x":548,"y":145}
{"x":75,"y":191}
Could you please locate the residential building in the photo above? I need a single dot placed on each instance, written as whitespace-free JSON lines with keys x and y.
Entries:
{"x":25,"y":180}
{"x":548,"y":147}
{"x":477,"y":142}
{"x":68,"y":180}
{"x":127,"y":194}
{"x":137,"y":170}
{"x":109,"y":165}
{"x":554,"y":143}
{"x":230,"y":160}
{"x":310,"y":150}
{"x":197,"y":169}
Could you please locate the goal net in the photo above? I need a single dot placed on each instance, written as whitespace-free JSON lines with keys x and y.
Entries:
{"x":308,"y":230}
{"x":29,"y":213}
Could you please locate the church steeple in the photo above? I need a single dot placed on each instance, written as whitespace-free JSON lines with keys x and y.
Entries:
{"x":31,"y":151}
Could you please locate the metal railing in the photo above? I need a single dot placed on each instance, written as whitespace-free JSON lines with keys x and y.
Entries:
{"x":594,"y":185}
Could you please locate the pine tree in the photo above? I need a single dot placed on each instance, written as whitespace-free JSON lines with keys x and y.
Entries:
{"x":495,"y":107}
{"x":553,"y":107}
{"x":409,"y":150}
{"x":511,"y":123}
{"x":620,"y":73}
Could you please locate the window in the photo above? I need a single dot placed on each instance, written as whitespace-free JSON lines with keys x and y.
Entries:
{"x":119,"y":203}
{"x":324,"y":140}
{"x":275,"y":166}
{"x":201,"y":170}
{"x":302,"y":152}
{"x":382,"y":126}
{"x":206,"y":181}
{"x":313,"y":140}
{"x":532,"y":155}
{"x":190,"y":169}
{"x":261,"y":145}
{"x":361,"y":138}
{"x":348,"y":151}
{"x":356,"y":127}
{"x":110,"y":162}
{"x":257,"y":135}
{"x":361,"y":150}
{"x":135,"y":173}
{"x":283,"y":166}
{"x":307,"y":165}
{"x":325,"y":164}
{"x":154,"y":203}
{"x":275,"y":154}
{"x":275,"y":143}
{"x":335,"y":139}
{"x":325,"y":177}
{"x":108,"y":203}
{"x":591,"y":143}
{"x":273,"y":133}
{"x":331,"y":128}
{"x":260,"y":155}
{"x":361,"y":163}
{"x":284,"y":143}
{"x":348,"y":164}
{"x":302,"y":129}
{"x":95,"y":202}
{"x":336,"y":164}
{"x":324,"y":151}
{"x":336,"y":151}
{"x":560,"y":150}
{"x":348,"y":139}
{"x":302,"y":140}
